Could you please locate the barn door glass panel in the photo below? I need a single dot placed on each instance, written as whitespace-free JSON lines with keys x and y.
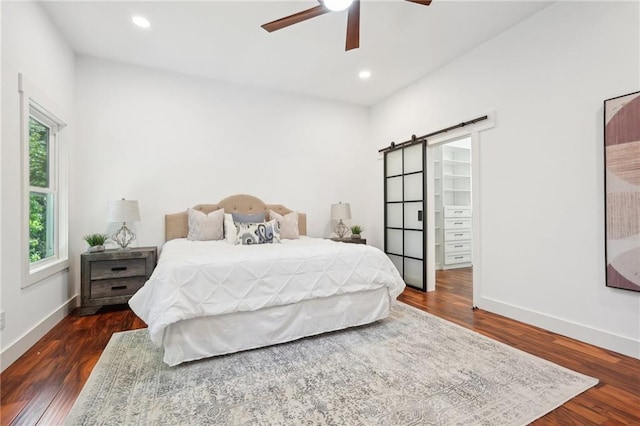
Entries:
{"x":405,"y":242}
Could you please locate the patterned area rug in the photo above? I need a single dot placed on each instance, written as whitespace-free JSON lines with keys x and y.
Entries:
{"x":409,"y":369}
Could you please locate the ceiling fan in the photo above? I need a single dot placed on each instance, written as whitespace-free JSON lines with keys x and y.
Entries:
{"x":326,"y":6}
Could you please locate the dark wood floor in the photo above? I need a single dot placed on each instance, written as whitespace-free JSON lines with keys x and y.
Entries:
{"x":42,"y":385}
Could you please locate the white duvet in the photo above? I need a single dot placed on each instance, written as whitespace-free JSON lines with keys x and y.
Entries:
{"x":204,"y":278}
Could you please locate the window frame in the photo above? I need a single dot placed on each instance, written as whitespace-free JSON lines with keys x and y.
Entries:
{"x":34,"y":103}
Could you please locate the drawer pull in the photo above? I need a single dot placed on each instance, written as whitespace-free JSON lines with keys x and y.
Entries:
{"x":457,"y":223}
{"x":458,"y":246}
{"x":458,"y":235}
{"x":118,"y":287}
{"x":459,"y":257}
{"x":458,"y":211}
{"x":119,"y":268}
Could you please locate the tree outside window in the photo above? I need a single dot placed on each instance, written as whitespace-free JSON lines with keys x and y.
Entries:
{"x":41,"y":202}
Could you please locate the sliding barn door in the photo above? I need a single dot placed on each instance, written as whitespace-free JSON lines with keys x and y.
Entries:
{"x":404,"y":199}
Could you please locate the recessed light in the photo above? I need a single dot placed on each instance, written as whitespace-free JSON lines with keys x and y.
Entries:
{"x":141,"y":21}
{"x":364,"y":74}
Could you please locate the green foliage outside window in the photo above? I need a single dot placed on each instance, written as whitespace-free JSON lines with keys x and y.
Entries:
{"x":40,"y":246}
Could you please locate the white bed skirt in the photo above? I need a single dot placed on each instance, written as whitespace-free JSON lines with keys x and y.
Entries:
{"x":203,"y":337}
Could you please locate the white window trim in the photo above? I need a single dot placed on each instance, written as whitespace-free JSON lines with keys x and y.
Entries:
{"x":33,"y":273}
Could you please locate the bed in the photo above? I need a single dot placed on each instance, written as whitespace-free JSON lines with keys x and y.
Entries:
{"x":208,"y":298}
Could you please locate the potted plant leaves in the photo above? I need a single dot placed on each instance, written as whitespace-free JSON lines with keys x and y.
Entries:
{"x":356,"y":230}
{"x":96,"y":242}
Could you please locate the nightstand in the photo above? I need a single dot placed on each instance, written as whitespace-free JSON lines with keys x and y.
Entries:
{"x":111,"y":277}
{"x":351,"y":240}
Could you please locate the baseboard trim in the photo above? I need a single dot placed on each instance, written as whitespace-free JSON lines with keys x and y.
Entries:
{"x":593,"y":336}
{"x":31,"y":337}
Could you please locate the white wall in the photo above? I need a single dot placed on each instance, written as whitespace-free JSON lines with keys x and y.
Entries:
{"x":32,"y":46}
{"x":541,"y":167}
{"x":172,"y":141}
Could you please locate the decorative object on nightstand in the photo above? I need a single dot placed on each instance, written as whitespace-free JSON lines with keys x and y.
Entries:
{"x":356,"y":230}
{"x":123,"y":211}
{"x":339,"y":212}
{"x":111,"y":277}
{"x":96,"y":242}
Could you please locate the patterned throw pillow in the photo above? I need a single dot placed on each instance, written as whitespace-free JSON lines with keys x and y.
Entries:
{"x":288,"y":224}
{"x":205,"y":227}
{"x":258,"y":233}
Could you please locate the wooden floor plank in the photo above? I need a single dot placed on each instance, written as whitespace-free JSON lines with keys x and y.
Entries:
{"x":42,"y":385}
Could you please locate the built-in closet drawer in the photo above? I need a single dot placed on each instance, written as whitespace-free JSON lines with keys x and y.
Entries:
{"x":451,"y":259}
{"x":461,"y":223}
{"x":457,"y":211}
{"x":457,"y":235}
{"x":457,"y":247}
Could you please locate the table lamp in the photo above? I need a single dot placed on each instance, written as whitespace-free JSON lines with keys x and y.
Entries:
{"x":123,"y":211}
{"x":339,"y":212}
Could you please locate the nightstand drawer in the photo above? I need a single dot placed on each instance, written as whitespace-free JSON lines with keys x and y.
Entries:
{"x":120,"y":268}
{"x":116,"y":287}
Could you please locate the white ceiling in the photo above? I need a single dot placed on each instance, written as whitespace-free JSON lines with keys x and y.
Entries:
{"x":400,"y":42}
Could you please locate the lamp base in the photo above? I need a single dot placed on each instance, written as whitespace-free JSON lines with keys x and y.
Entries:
{"x":341,"y":229}
{"x":123,"y":237}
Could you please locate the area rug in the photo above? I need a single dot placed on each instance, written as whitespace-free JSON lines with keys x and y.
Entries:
{"x":410,"y":369}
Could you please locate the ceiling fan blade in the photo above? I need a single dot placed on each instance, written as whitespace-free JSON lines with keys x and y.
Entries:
{"x":353,"y":26}
{"x":422,"y":2}
{"x":295,"y":18}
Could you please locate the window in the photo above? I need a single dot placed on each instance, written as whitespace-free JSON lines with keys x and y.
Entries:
{"x":44,"y":188}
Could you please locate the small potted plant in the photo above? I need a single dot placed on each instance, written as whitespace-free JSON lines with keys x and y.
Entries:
{"x":96,"y":242}
{"x":356,"y":230}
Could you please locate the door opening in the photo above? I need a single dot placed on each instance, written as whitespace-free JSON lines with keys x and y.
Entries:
{"x":451,"y":213}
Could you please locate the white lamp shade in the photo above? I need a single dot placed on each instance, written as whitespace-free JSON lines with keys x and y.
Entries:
{"x":123,"y":211}
{"x":340,"y":211}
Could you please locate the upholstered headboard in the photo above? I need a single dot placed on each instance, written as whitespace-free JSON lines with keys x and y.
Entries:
{"x":176,"y":224}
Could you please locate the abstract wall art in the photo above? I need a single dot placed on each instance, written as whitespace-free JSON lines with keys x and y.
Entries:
{"x":622,"y":190}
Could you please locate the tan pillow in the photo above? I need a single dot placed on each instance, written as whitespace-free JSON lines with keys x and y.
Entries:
{"x":288,"y":224}
{"x":205,"y":227}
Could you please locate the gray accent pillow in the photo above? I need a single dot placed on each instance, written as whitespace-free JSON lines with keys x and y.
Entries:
{"x":248,"y":218}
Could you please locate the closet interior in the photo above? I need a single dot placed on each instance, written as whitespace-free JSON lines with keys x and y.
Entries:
{"x":452,"y":204}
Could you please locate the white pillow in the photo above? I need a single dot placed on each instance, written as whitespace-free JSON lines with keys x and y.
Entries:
{"x":230,"y":230}
{"x":205,"y":227}
{"x":288,"y":224}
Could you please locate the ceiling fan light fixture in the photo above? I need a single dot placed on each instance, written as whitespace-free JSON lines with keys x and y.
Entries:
{"x":337,"y":5}
{"x":141,"y":21}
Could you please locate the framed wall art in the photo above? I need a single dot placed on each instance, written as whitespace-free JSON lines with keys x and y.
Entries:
{"x":622,"y":190}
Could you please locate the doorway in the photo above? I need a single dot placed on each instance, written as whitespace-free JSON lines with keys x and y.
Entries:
{"x":450,"y":216}
{"x":410,"y":168}
{"x":452,"y":204}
